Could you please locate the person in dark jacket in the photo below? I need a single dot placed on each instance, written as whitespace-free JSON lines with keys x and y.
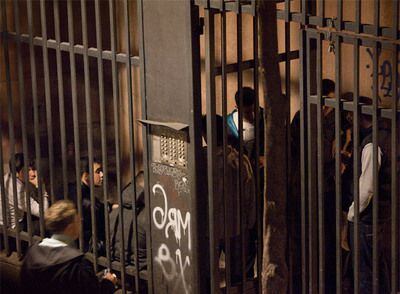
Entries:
{"x":365,"y":207}
{"x":128,"y":194}
{"x":86,"y":205}
{"x":54,"y":266}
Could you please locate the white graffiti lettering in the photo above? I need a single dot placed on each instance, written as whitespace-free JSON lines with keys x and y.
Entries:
{"x":174,"y":217}
{"x":173,"y":270}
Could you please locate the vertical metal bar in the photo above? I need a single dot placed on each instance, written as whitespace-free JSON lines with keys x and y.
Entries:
{"x":395,"y":151}
{"x":145,"y":146}
{"x":11,"y":131}
{"x":21,"y":89}
{"x":115,"y":85}
{"x":320,"y":162}
{"x":287,"y":11}
{"x":75,"y":115}
{"x":338,"y":175}
{"x":259,"y":199}
{"x":253,"y":7}
{"x":241,"y":147}
{"x":321,"y":11}
{"x":375,"y":198}
{"x":225,"y":142}
{"x":289,"y":134}
{"x":131,"y":137}
{"x":356,"y":164}
{"x":36,"y":116}
{"x":304,"y":12}
{"x":131,"y":131}
{"x":311,"y":182}
{"x":48,"y":98}
{"x":4,"y":202}
{"x":61,"y":105}
{"x":358,"y":16}
{"x":376,"y":17}
{"x":303,"y":158}
{"x":394,"y":168}
{"x":89,"y":129}
{"x":339,"y":15}
{"x":211,"y":140}
{"x":100,"y":76}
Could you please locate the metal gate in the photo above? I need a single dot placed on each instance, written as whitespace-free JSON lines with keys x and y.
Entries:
{"x":328,"y":177}
{"x":133,"y":93}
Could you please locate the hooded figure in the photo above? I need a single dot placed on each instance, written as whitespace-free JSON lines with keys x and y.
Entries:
{"x":116,"y":242}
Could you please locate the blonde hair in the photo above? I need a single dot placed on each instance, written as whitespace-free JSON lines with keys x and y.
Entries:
{"x":59,"y":216}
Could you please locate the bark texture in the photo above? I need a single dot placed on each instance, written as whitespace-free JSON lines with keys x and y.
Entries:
{"x":274,"y":267}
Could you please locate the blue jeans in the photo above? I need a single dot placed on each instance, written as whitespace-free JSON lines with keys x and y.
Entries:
{"x":366,"y":264}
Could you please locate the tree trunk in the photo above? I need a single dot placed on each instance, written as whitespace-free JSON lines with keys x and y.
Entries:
{"x":274,"y":267}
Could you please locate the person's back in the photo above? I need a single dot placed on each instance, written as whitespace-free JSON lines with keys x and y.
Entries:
{"x":51,"y":267}
{"x":54,"y":266}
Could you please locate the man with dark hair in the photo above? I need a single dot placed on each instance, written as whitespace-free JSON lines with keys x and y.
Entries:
{"x":33,"y":191}
{"x":86,"y":204}
{"x":294,"y":207}
{"x":366,"y":194}
{"x":15,"y":213}
{"x":54,"y":266}
{"x":248,"y":102}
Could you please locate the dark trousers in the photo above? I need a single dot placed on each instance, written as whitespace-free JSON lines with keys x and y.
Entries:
{"x":366,"y":264}
{"x":236,"y":256}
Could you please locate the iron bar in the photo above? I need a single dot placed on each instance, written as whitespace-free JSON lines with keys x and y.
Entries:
{"x":356,"y":164}
{"x":288,"y":141}
{"x":303,"y":159}
{"x":47,"y":98}
{"x":11,"y":131}
{"x":75,"y":118}
{"x":376,"y":18}
{"x":36,"y":118}
{"x":375,"y":198}
{"x":211,"y":141}
{"x":61,"y":103}
{"x":339,"y":15}
{"x":394,"y":174}
{"x":321,"y":12}
{"x":320,"y":162}
{"x":338,"y":173}
{"x":225,"y":142}
{"x":357,"y":28}
{"x":313,"y":274}
{"x":4,"y":202}
{"x":76,"y":49}
{"x":89,"y":128}
{"x":146,"y":146}
{"x":21,"y":89}
{"x":115,"y":85}
{"x":239,"y":50}
{"x":100,"y":77}
{"x":131,"y":139}
{"x":259,"y":201}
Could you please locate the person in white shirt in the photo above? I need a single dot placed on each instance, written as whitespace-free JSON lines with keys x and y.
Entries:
{"x":366,"y":195}
{"x":14,"y":198}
